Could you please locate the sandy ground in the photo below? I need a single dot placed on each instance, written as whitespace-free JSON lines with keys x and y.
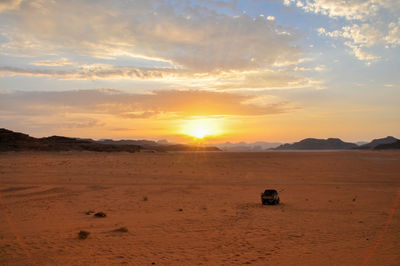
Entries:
{"x":338,"y":208}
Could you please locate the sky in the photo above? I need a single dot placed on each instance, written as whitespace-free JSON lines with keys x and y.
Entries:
{"x":201,"y":71}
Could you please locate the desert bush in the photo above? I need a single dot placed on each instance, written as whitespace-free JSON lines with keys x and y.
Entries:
{"x":121,"y":229}
{"x":83,"y":234}
{"x":100,"y":214}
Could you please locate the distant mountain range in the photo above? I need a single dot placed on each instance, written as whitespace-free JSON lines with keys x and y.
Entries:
{"x":311,"y":144}
{"x":246,"y":147}
{"x":318,"y":144}
{"x":15,"y":141}
{"x":338,"y":144}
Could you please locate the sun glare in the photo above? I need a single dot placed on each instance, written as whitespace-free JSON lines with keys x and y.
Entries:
{"x":201,"y":128}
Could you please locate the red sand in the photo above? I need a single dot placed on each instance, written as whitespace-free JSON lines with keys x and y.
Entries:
{"x":338,"y":208}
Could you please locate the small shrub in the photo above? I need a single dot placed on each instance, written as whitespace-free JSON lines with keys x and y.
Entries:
{"x":121,"y":229}
{"x":100,"y":214}
{"x":83,"y":234}
{"x":145,"y":198}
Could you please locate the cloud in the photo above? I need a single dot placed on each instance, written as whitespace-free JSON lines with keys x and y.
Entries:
{"x":53,"y":62}
{"x":283,"y":77}
{"x":199,"y":47}
{"x":364,"y":34}
{"x":368,"y":24}
{"x":159,"y":104}
{"x":194,"y":38}
{"x":351,"y":9}
{"x":221,"y":4}
{"x":9,"y":4}
{"x":107,"y":112}
{"x":393,"y":36}
{"x":360,"y":54}
{"x":92,"y":71}
{"x":267,"y":80}
{"x":358,"y":37}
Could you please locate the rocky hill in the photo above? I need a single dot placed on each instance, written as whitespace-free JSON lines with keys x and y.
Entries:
{"x":318,"y":144}
{"x":388,"y":146}
{"x":378,"y":142}
{"x":15,"y":141}
{"x":159,"y":145}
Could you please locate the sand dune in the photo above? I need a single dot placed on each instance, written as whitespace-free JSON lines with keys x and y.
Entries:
{"x":338,"y":208}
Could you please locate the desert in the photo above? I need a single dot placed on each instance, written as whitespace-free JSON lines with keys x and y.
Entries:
{"x":200,"y":132}
{"x":199,"y":208}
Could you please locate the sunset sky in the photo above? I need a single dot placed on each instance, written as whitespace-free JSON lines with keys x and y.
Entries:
{"x":183,"y":70}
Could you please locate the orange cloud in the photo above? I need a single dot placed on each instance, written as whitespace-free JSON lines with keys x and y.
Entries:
{"x":136,"y":106}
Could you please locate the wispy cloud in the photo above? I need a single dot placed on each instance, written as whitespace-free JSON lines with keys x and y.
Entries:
{"x":369,"y":24}
{"x":53,"y":62}
{"x":358,"y":39}
{"x":9,"y":4}
{"x":197,"y":39}
{"x":93,"y":71}
{"x":130,"y":105}
{"x":351,"y":9}
{"x":285,"y":77}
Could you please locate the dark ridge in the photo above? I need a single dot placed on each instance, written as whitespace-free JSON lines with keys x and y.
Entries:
{"x":15,"y":141}
{"x":183,"y":147}
{"x":129,"y":142}
{"x":388,"y":146}
{"x":318,"y":144}
{"x":60,"y":139}
{"x":258,"y":146}
{"x":378,"y":142}
{"x":159,"y":146}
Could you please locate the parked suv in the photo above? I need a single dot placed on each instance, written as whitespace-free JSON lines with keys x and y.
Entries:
{"x":270,"y":197}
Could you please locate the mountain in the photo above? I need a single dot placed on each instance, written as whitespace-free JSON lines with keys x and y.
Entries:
{"x":15,"y":141}
{"x":162,"y":145}
{"x":245,"y":147}
{"x":318,"y":144}
{"x":184,"y":147}
{"x":388,"y":146}
{"x":377,"y":142}
{"x":10,"y":140}
{"x":129,"y":142}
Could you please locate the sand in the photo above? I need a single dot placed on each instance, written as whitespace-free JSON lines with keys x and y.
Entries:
{"x":337,"y":208}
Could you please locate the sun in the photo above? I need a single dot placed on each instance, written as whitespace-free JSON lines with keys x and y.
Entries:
{"x":199,"y":132}
{"x":201,"y":128}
